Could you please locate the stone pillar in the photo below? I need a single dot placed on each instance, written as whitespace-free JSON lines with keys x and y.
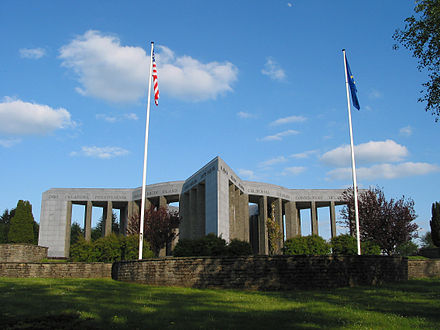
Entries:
{"x":244,"y":216}
{"x":147,"y":204}
{"x":193,"y":212}
{"x":232,"y":211}
{"x":298,"y":218}
{"x":278,"y":213}
{"x":263,"y":243}
{"x":68,"y":227}
{"x":88,"y":221}
{"x":291,"y":219}
{"x":108,"y":215}
{"x":163,"y":202}
{"x":333,"y":219}
{"x":200,"y":211}
{"x":314,"y":218}
{"x":185,"y":226}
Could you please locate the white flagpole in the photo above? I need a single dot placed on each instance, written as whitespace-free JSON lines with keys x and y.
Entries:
{"x":353,"y":165}
{"x":144,"y":174}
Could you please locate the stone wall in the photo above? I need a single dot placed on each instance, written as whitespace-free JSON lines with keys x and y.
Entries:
{"x":56,"y":270}
{"x":423,"y":268}
{"x":22,"y":253}
{"x":263,"y":273}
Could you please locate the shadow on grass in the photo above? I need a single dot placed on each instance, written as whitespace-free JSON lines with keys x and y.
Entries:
{"x":110,"y":304}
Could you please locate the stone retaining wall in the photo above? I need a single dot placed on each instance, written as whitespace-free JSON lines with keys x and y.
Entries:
{"x":423,"y":268}
{"x":22,"y":253}
{"x":56,"y":270}
{"x":264,"y":273}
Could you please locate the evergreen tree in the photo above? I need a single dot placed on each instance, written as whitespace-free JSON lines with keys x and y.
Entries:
{"x":435,"y":224}
{"x":22,"y":224}
{"x":5,"y":222}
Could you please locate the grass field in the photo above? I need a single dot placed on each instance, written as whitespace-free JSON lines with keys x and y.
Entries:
{"x":104,"y":304}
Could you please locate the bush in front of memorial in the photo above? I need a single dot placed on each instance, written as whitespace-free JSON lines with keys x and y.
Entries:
{"x":306,"y":245}
{"x":211,"y":245}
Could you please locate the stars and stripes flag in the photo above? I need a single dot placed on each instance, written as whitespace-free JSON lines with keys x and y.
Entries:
{"x":155,"y":84}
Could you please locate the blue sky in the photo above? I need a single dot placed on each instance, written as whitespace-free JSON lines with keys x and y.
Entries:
{"x":259,"y":83}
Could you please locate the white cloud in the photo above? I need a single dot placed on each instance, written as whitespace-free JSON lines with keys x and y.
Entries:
{"x":32,"y":53}
{"x":280,"y":136}
{"x":303,"y":155}
{"x":8,"y":143}
{"x":106,"y":70}
{"x":289,"y":4}
{"x":100,"y":152}
{"x":188,"y":79}
{"x":384,"y":171}
{"x":24,"y":118}
{"x":273,"y":161}
{"x":116,"y":118}
{"x":406,"y":131}
{"x":370,"y":152}
{"x":245,"y":115}
{"x":273,"y":70}
{"x":112,"y":72}
{"x":247,"y":174}
{"x":287,"y":120}
{"x":294,"y":170}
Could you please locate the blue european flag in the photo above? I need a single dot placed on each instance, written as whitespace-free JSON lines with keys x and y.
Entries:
{"x":353,"y":88}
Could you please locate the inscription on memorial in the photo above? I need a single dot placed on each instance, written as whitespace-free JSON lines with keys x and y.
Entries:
{"x":199,"y":177}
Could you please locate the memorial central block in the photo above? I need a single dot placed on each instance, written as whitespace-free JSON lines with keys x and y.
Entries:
{"x":213,"y":200}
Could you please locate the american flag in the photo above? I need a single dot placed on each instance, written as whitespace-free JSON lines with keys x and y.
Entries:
{"x":155,"y":85}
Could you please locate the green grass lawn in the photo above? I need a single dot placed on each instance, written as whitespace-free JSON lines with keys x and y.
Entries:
{"x":91,"y":303}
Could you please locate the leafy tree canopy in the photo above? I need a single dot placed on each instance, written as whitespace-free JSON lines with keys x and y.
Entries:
{"x":421,"y":35}
{"x":435,"y":224}
{"x":388,"y":223}
{"x":22,"y":224}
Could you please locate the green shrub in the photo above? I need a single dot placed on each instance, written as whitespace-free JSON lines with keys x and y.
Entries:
{"x":347,"y":245}
{"x":370,"y":248}
{"x":211,"y":245}
{"x":306,"y":245}
{"x":239,"y":248}
{"x":407,"y":249}
{"x":109,"y":249}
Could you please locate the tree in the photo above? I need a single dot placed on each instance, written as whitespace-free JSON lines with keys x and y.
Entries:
{"x":75,"y":233}
{"x":386,"y":223}
{"x":97,"y":232}
{"x":306,"y":245}
{"x":5,"y":222}
{"x":22,"y":224}
{"x":427,"y":241}
{"x":159,"y":227}
{"x":435,"y":224}
{"x":421,"y":35}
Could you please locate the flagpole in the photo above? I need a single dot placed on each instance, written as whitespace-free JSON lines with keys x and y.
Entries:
{"x":353,"y":165}
{"x":144,"y":173}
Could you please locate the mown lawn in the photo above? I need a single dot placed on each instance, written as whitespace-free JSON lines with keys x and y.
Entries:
{"x":104,"y":304}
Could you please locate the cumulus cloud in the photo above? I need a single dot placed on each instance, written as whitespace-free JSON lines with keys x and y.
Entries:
{"x":406,"y":131}
{"x":273,"y":161}
{"x":100,"y":152}
{"x":32,"y":53}
{"x":384,"y":171}
{"x":370,"y":152}
{"x":294,"y":170}
{"x":273,"y":70}
{"x":287,"y":120}
{"x":110,"y":71}
{"x":23,"y":118}
{"x":279,"y":136}
{"x":186,"y":78}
